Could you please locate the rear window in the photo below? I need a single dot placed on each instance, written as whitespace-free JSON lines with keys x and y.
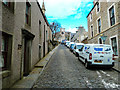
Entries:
{"x":107,"y":49}
{"x":102,"y":49}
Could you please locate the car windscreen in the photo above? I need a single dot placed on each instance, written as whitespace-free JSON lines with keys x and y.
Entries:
{"x":79,"y":46}
{"x":72,"y":45}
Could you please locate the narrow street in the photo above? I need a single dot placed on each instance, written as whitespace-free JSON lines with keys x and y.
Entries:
{"x":64,"y":70}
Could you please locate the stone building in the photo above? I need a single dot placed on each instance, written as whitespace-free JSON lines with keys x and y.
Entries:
{"x":104,"y":19}
{"x":79,"y":35}
{"x":68,"y":36}
{"x":59,"y":36}
{"x":25,"y":35}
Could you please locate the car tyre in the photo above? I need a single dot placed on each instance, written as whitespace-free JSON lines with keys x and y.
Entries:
{"x":77,"y":55}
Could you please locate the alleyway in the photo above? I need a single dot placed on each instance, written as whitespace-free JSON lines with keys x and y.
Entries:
{"x":65,"y":71}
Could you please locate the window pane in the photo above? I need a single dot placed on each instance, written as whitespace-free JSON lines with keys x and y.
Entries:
{"x":1,"y":61}
{"x":97,"y":7}
{"x":3,"y":44}
{"x":112,"y":17}
{"x":114,"y":45}
{"x":99,"y":25}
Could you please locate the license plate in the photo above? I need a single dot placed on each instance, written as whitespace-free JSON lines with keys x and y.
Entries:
{"x":96,"y":61}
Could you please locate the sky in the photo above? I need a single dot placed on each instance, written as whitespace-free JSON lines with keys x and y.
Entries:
{"x":69,"y":13}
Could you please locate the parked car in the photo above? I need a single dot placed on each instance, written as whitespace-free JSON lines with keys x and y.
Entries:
{"x":97,"y":55}
{"x":72,"y":44}
{"x":77,"y":47}
{"x":63,"y":42}
{"x":67,"y":43}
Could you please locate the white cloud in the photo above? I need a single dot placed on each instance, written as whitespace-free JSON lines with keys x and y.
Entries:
{"x":78,"y":16}
{"x":72,"y":30}
{"x":89,"y":5}
{"x":61,"y":8}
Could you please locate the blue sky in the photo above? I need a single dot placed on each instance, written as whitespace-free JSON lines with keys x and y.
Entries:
{"x":69,"y":13}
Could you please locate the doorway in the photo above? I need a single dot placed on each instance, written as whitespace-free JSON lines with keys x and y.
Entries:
{"x":27,"y":57}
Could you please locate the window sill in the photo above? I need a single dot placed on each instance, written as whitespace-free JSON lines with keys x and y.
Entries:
{"x":4,"y":74}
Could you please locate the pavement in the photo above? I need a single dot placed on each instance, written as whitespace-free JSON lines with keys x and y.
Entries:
{"x":29,"y":81}
{"x":117,"y":65}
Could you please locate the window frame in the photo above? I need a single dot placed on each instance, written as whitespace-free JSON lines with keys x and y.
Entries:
{"x":90,"y":17}
{"x":97,"y":7}
{"x":9,"y":4}
{"x":8,"y":51}
{"x":92,"y":29}
{"x":99,"y":41}
{"x":28,"y":13}
{"x":117,"y":43}
{"x":109,"y":23}
{"x":98,"y":26}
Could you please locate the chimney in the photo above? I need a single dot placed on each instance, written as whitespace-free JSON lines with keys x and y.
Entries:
{"x":43,"y":7}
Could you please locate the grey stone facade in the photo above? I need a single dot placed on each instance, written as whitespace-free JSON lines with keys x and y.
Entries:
{"x":108,"y":30}
{"x":25,"y":47}
{"x":79,"y":35}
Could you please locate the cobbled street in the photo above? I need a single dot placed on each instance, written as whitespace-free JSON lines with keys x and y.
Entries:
{"x":64,"y":70}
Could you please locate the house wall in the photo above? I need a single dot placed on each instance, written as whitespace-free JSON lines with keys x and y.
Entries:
{"x":108,"y":30}
{"x":13,"y":24}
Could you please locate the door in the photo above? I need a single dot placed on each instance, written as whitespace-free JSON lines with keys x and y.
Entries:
{"x":27,"y":57}
{"x":39,"y":52}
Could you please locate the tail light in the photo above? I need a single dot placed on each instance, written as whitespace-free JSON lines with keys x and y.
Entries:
{"x":113,"y":57}
{"x":90,"y":56}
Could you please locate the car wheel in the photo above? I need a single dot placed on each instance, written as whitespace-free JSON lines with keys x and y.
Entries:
{"x":86,"y":65}
{"x":77,"y":55}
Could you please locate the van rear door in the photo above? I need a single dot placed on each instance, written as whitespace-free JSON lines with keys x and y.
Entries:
{"x":102,"y":54}
{"x":98,"y":56}
{"x":108,"y":54}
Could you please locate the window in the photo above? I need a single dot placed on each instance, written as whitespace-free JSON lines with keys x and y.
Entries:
{"x":39,"y":31}
{"x":100,"y":41}
{"x":98,"y":7}
{"x":6,"y":2}
{"x":92,"y":31}
{"x":6,"y":51}
{"x":114,"y":45}
{"x":28,"y":14}
{"x":90,"y":17}
{"x":62,"y":32}
{"x":99,"y":25}
{"x":112,"y":16}
{"x":46,"y":35}
{"x":9,"y":4}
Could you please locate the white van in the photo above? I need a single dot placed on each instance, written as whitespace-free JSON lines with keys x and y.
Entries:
{"x":70,"y":44}
{"x":67,"y":43}
{"x":97,"y":54}
{"x":77,"y":47}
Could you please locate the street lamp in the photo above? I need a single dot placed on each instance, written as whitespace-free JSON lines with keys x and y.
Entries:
{"x":103,"y":38}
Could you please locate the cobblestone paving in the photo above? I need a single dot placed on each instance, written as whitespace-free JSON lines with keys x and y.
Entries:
{"x":65,"y":71}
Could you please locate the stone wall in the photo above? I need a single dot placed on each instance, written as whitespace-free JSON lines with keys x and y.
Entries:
{"x":13,"y":24}
{"x":108,"y":30}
